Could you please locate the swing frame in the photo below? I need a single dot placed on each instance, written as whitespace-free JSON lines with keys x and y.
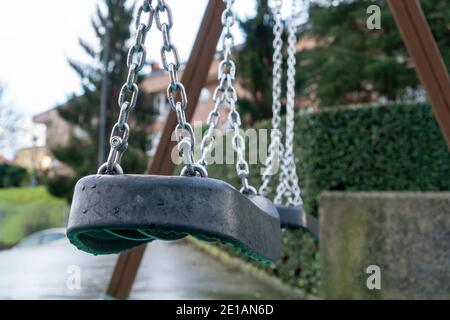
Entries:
{"x":418,"y":40}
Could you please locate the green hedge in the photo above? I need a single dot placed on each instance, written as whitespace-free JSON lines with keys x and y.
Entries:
{"x":11,"y":175}
{"x":373,"y":147}
{"x":389,"y":147}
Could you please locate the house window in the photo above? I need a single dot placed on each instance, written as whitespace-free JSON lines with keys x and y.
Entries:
{"x":79,"y":133}
{"x":205,"y":95}
{"x":153,"y":141}
{"x":161,"y":105}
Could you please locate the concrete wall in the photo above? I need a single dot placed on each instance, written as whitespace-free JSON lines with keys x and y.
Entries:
{"x":406,"y":234}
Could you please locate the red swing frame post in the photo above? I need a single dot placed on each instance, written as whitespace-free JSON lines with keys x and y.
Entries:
{"x":416,"y":35}
{"x":430,"y":66}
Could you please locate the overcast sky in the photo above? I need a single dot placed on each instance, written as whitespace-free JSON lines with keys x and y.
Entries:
{"x":37,"y":37}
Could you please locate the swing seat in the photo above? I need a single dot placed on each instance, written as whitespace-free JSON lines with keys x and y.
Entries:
{"x":295,"y":217}
{"x":116,"y":213}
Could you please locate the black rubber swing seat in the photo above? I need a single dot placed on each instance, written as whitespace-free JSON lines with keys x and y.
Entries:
{"x":295,"y":217}
{"x":115,"y":213}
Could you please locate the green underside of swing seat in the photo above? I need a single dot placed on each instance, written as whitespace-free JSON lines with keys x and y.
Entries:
{"x":82,"y":238}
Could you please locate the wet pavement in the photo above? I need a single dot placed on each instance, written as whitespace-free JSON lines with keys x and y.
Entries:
{"x":169,"y":270}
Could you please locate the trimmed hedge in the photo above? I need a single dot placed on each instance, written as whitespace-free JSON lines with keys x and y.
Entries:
{"x":397,"y":146}
{"x":383,"y":148}
{"x":12,"y":175}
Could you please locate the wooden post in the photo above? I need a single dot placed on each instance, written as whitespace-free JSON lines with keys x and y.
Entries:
{"x":194,"y":78}
{"x":428,"y":61}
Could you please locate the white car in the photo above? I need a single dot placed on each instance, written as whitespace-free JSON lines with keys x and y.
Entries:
{"x":42,"y":238}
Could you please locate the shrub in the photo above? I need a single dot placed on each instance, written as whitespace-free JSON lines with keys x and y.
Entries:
{"x":11,"y":175}
{"x":386,"y":147}
{"x":61,"y":187}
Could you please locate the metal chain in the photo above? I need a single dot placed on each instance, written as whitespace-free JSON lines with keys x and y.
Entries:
{"x":226,"y":73}
{"x":176,"y":93}
{"x":229,"y":95}
{"x":275,"y":147}
{"x":292,"y":41}
{"x":225,"y":94}
{"x":288,"y":187}
{"x":224,"y":91}
{"x":129,"y":92}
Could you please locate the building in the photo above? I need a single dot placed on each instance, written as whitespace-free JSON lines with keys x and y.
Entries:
{"x":59,"y":130}
{"x":157,"y":83}
{"x":42,"y":161}
{"x":38,"y":157}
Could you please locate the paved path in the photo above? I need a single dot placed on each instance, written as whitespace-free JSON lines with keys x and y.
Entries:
{"x":170,"y":270}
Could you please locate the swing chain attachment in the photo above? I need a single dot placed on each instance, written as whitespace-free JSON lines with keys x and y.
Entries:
{"x":129,"y":92}
{"x":288,"y":187}
{"x":275,"y":147}
{"x":176,"y":92}
{"x":225,"y":95}
{"x":225,"y":91}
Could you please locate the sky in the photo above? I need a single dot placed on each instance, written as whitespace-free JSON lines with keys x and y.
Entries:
{"x":37,"y":37}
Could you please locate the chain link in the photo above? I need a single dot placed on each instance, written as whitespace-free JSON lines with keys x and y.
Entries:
{"x":293,"y":196}
{"x":176,"y":93}
{"x":288,"y":187}
{"x":275,"y":147}
{"x":225,"y":95}
{"x":129,"y":92}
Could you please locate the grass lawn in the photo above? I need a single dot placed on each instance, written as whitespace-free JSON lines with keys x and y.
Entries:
{"x":26,"y":210}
